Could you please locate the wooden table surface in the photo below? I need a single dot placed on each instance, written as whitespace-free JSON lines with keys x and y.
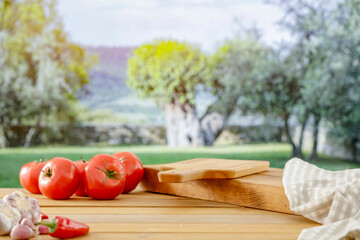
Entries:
{"x":144,"y":215}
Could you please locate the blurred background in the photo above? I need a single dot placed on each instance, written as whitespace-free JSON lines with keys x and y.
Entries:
{"x":174,"y":80}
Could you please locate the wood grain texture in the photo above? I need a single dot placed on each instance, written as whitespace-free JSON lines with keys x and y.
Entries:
{"x":263,"y":190}
{"x":159,"y":216}
{"x":160,"y":211}
{"x":208,"y":168}
{"x":179,"y":236}
{"x":192,"y":218}
{"x":179,"y":227}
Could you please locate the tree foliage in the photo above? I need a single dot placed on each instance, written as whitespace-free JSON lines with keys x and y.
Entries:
{"x":275,"y":89}
{"x":236,"y":65}
{"x":328,"y":42}
{"x":41,"y":68}
{"x":168,"y":71}
{"x":341,"y":46}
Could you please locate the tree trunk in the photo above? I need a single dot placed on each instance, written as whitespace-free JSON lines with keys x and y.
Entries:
{"x":183,"y":126}
{"x":215,"y":117}
{"x":296,"y":151}
{"x":29,"y":137}
{"x":354,"y":142}
{"x":212,"y":125}
{"x":303,"y":126}
{"x":317,"y":119}
{"x":2,"y":138}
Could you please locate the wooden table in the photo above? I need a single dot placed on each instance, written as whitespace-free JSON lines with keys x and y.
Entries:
{"x":143,"y":215}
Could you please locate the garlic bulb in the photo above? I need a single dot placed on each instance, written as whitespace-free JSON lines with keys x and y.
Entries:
{"x":27,"y":206}
{"x":9,"y":217}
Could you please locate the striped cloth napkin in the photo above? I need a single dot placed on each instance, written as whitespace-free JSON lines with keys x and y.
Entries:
{"x":327,"y":197}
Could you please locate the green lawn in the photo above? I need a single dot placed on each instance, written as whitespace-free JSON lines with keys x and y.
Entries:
{"x":12,"y":159}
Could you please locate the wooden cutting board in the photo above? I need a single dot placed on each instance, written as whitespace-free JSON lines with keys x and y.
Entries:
{"x":206,"y":168}
{"x":262,"y":190}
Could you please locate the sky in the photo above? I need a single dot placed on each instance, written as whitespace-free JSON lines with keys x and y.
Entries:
{"x":205,"y":23}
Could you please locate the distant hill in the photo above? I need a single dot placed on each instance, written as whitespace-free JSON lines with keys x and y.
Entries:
{"x":109,"y":75}
{"x":108,"y":90}
{"x":113,"y":60}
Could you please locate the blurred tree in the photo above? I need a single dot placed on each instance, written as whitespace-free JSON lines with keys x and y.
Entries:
{"x":235,"y":66}
{"x":306,"y":19}
{"x":275,"y":90}
{"x":42,"y":70}
{"x":328,"y":40}
{"x":174,"y":73}
{"x":257,"y":79}
{"x":171,"y":72}
{"x":339,"y":43}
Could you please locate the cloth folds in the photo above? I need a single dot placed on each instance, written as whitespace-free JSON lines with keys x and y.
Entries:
{"x":328,"y":197}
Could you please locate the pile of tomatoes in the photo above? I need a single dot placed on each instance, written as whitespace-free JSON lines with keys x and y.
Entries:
{"x":105,"y":176}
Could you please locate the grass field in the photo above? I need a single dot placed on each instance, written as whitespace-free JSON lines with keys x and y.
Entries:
{"x":12,"y":159}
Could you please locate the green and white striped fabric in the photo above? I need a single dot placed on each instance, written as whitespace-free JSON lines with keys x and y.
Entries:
{"x":328,"y":197}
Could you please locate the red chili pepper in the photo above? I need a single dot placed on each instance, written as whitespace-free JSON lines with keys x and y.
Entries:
{"x":43,"y":216}
{"x":62,"y":227}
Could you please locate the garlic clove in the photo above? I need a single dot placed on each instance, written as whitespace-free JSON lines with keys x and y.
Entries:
{"x":28,"y":222}
{"x":21,"y":231}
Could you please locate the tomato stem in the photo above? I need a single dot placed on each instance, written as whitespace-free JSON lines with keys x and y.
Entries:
{"x":112,"y":174}
{"x":82,"y":159}
{"x":47,"y":172}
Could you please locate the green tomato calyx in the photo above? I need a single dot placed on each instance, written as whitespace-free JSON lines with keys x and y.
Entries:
{"x":112,"y":174}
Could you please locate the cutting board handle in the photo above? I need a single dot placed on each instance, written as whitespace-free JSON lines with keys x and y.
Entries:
{"x":180,"y":175}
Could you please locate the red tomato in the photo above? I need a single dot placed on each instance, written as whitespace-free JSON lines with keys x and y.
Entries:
{"x":59,"y":178}
{"x":133,"y":168}
{"x":81,"y":189}
{"x":29,"y":176}
{"x":104,"y":177}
